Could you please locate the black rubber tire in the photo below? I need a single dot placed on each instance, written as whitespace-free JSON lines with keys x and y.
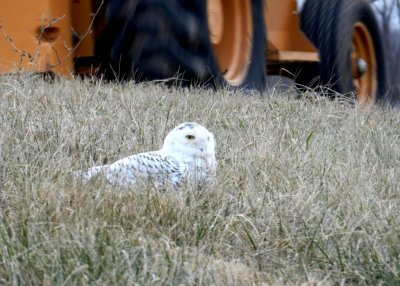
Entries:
{"x":329,"y":24}
{"x":158,"y":39}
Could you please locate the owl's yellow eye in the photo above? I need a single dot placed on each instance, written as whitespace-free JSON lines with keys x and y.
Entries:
{"x":190,"y":137}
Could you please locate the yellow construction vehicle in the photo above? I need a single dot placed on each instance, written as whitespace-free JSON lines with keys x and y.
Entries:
{"x":219,"y":42}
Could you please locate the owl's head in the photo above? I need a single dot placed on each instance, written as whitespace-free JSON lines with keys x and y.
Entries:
{"x":190,"y":140}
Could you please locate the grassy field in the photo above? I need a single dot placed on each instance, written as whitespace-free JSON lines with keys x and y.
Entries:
{"x":307,"y":190}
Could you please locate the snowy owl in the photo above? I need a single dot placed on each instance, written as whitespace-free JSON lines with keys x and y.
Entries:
{"x":186,"y":157}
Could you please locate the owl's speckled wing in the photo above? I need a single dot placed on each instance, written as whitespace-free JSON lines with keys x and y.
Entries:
{"x":150,"y":167}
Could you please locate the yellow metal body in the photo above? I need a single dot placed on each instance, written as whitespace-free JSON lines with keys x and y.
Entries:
{"x":50,"y":35}
{"x":44,"y":35}
{"x":286,"y":42}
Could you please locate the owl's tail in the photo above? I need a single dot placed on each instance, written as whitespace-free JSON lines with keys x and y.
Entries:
{"x":86,"y":175}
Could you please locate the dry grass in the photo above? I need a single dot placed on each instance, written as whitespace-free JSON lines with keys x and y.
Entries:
{"x":307,"y":190}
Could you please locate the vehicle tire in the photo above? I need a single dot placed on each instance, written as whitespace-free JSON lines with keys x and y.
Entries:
{"x":203,"y":42}
{"x":348,"y":38}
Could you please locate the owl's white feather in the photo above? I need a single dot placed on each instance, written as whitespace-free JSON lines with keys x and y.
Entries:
{"x":187,"y":156}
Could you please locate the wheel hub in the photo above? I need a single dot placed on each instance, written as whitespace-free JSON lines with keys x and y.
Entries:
{"x":364,"y":64}
{"x":230,"y":28}
{"x":362,"y":67}
{"x":215,"y":20}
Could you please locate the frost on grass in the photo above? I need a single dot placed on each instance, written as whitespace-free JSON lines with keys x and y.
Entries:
{"x":306,"y":189}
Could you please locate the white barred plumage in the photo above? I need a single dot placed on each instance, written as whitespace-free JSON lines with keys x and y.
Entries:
{"x":186,"y":157}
